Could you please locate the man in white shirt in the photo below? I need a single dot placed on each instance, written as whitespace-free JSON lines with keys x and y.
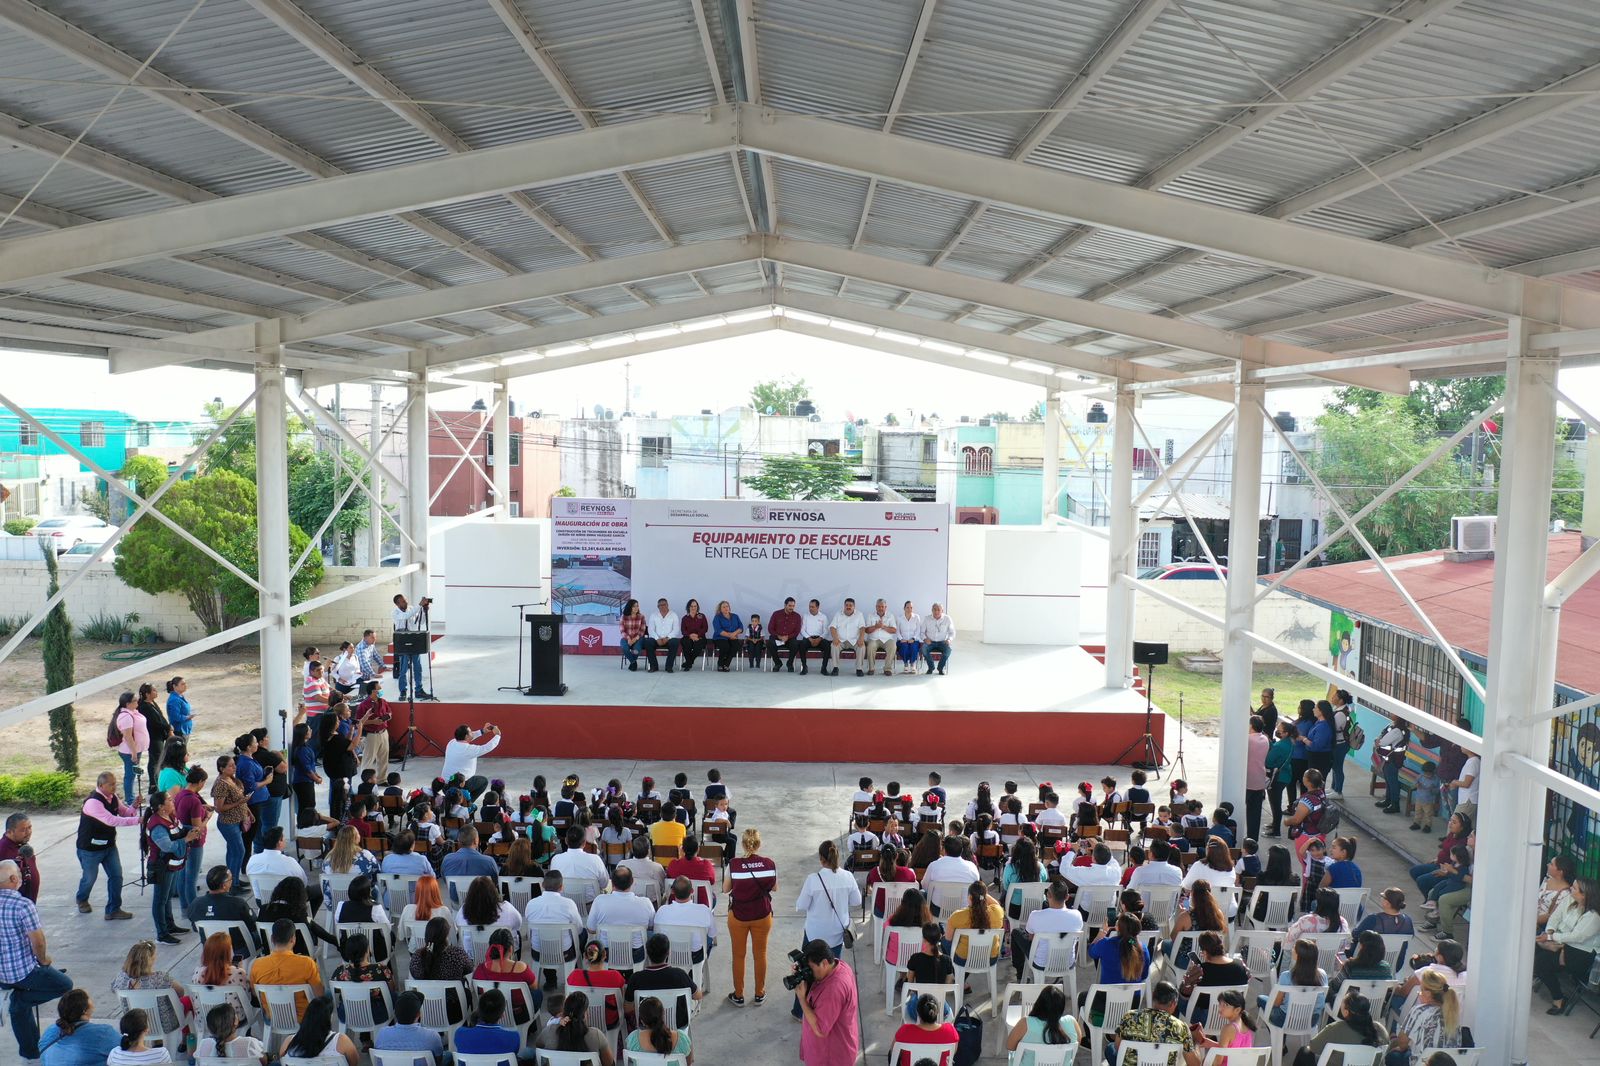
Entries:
{"x":878,"y":635}
{"x":271,"y":862}
{"x":408,"y":668}
{"x":1051,"y":814}
{"x":951,"y":867}
{"x":1054,"y":917}
{"x":461,"y":754}
{"x":576,"y":863}
{"x":552,"y":908}
{"x":845,"y":632}
{"x":683,"y":912}
{"x":938,"y":633}
{"x":1158,"y":871}
{"x":621,"y":907}
{"x":1105,"y":871}
{"x":662,"y":630}
{"x":1466,"y":785}
{"x":814,"y":636}
{"x":908,"y":640}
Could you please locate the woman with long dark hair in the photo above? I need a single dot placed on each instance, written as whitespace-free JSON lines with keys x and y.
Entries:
{"x":438,"y":959}
{"x":319,"y":1035}
{"x":1568,"y":944}
{"x":303,"y":776}
{"x":1319,"y":740}
{"x":156,"y":725}
{"x":656,"y":1037}
{"x":693,"y":627}
{"x":1353,"y":1026}
{"x":926,"y":1026}
{"x":1048,"y":1023}
{"x":981,"y":914}
{"x":1300,"y":758}
{"x":572,"y":1032}
{"x":1302,"y":973}
{"x":1122,"y":958}
{"x":179,"y":714}
{"x":356,"y":951}
{"x":289,"y":900}
{"x":133,"y":1049}
{"x":483,"y":906}
{"x":1324,"y":917}
{"x":631,"y":623}
{"x":500,"y":963}
{"x":174,"y":765}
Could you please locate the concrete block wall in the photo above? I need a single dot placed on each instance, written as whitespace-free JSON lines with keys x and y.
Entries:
{"x":1294,"y":623}
{"x":24,"y":586}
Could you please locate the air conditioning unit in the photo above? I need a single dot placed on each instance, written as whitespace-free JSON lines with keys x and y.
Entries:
{"x":1474,"y":534}
{"x":977,"y":516}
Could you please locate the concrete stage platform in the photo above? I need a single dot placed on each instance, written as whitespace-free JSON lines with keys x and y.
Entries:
{"x":996,"y":703}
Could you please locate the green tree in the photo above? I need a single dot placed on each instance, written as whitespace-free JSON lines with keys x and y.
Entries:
{"x":1438,"y":406}
{"x":315,"y":485}
{"x":60,"y":672}
{"x":566,"y":491}
{"x":779,"y":395}
{"x":235,"y":450}
{"x":1361,"y":451}
{"x":220,"y":510}
{"x":802,"y":477}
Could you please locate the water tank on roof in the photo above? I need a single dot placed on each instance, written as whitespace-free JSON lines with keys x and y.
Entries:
{"x":1097,"y":414}
{"x":1285,"y":421}
{"x":805,"y":409}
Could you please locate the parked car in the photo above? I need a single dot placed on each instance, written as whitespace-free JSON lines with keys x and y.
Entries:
{"x":1181,"y":572}
{"x":72,"y":530}
{"x":80,"y":553}
{"x":390,"y":560}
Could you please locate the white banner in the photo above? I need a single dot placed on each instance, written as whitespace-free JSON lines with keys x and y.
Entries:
{"x":754,"y":554}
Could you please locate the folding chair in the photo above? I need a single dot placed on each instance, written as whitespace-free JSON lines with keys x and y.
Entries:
{"x":1349,"y":1055}
{"x":354,"y":999}
{"x":980,"y":953}
{"x":282,"y":1006}
{"x":150,"y":1001}
{"x":1116,"y":1001}
{"x":1014,"y":1006}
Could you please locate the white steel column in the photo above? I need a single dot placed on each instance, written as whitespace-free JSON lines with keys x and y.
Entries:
{"x":1123,"y":550}
{"x":1522,"y":653}
{"x":1051,"y":488}
{"x":417,"y":477}
{"x":375,"y":500}
{"x":502,"y":450}
{"x":272,"y":531}
{"x":1238,"y":654}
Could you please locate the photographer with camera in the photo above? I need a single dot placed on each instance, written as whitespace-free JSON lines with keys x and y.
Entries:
{"x":168,"y":853}
{"x":830,"y":1033}
{"x":408,"y":668}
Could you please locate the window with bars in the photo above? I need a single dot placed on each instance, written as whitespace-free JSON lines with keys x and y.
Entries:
{"x":654,"y":452}
{"x":28,"y":436}
{"x":1400,"y":665}
{"x":141,"y":435}
{"x":92,"y":434}
{"x":1149,"y":550}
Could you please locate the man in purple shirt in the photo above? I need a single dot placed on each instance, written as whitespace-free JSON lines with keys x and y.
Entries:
{"x":14,"y":846}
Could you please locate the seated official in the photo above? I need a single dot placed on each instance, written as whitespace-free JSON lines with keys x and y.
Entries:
{"x":938,"y":633}
{"x":814,"y":636}
{"x":693,"y":628}
{"x":908,"y":638}
{"x":631,"y":626}
{"x":726,"y":632}
{"x":783,"y":629}
{"x":662,"y":630}
{"x":845,"y":632}
{"x":878,"y":634}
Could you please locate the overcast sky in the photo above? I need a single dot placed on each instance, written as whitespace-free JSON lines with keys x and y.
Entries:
{"x":845,"y":382}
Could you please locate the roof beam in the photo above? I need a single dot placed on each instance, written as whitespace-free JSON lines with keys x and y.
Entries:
{"x":332,"y":201}
{"x":1022,"y":300}
{"x":1141,"y":211}
{"x":710,"y":50}
{"x":344,"y":59}
{"x":500,"y":292}
{"x":522,"y":30}
{"x":747,"y":88}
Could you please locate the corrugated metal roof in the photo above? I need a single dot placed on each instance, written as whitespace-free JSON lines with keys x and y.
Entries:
{"x":985,"y":76}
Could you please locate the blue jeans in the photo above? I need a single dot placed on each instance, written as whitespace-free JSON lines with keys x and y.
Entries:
{"x":1391,"y":783}
{"x":408,"y":672}
{"x":1341,"y":752}
{"x":1444,"y":885}
{"x":189,"y":877}
{"x":233,"y":835}
{"x":909,"y":651}
{"x":631,"y":652}
{"x":940,"y":646}
{"x":42,"y":985}
{"x":161,"y":902}
{"x":90,"y":862}
{"x":271,"y":815}
{"x":129,"y":763}
{"x":1422,"y":870}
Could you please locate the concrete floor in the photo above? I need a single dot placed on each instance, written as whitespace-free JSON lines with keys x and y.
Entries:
{"x":796,"y":806}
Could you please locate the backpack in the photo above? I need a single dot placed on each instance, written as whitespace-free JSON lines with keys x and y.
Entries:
{"x":969,"y":1048}
{"x":1323,"y":819}
{"x":113,"y":734}
{"x":1354,"y":735}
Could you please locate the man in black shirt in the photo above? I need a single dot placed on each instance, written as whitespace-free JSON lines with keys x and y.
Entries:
{"x":658,"y":975}
{"x":219,"y":904}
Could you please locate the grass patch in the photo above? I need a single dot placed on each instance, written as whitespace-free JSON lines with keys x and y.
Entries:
{"x":9,"y":624}
{"x":1202,"y":693}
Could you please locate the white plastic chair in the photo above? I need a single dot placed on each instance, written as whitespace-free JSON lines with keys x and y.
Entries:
{"x":1022,"y":899}
{"x":547,"y":947}
{"x":517,"y":891}
{"x":671,"y":1000}
{"x":263,"y":885}
{"x":945,"y":897}
{"x":504,"y":1058}
{"x":566,"y":1058}
{"x":618,"y":941}
{"x":1012,"y":1007}
{"x":314,"y":1060}
{"x":1041,"y":1054}
{"x":1118,"y":1000}
{"x":1376,"y":991}
{"x":650,"y":1058}
{"x":355,"y":1002}
{"x":475,"y":938}
{"x":400,"y":890}
{"x":1255,"y":948}
{"x":1238,"y":1056}
{"x":1280,"y":904}
{"x":914,"y":1052}
{"x":1186,"y":941}
{"x":1151,"y":1054}
{"x":1299,"y":1022}
{"x":519,"y":1004}
{"x":1397,"y":949}
{"x":1212,"y":1022}
{"x":380,"y":938}
{"x":208,"y":996}
{"x":338,"y":889}
{"x":150,"y":1000}
{"x":581,"y":891}
{"x":1464,"y":1056}
{"x":682,"y":953}
{"x":1095,"y":902}
{"x":1328,"y":945}
{"x":599,"y":999}
{"x":704,"y":892}
{"x":1350,"y":1055}
{"x":437,"y":997}
{"x":886,"y":896}
{"x":1351,"y":903}
{"x":1161,"y":902}
{"x":283,"y":1010}
{"x":1060,"y":963}
{"x":898,"y":946}
{"x":240,"y":933}
{"x":949,"y":997}
{"x":981,"y":952}
{"x":379,"y":1058}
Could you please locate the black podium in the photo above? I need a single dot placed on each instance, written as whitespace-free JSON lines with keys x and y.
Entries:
{"x":544,"y":654}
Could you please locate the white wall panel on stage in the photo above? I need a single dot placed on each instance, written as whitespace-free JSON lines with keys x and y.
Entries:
{"x":968,"y":546}
{"x":494,"y":565}
{"x":1031,"y":588}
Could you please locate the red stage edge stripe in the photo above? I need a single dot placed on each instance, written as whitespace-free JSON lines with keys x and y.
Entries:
{"x":777,"y":734}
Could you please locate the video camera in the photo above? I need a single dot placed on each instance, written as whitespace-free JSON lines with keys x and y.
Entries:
{"x":799,"y":973}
